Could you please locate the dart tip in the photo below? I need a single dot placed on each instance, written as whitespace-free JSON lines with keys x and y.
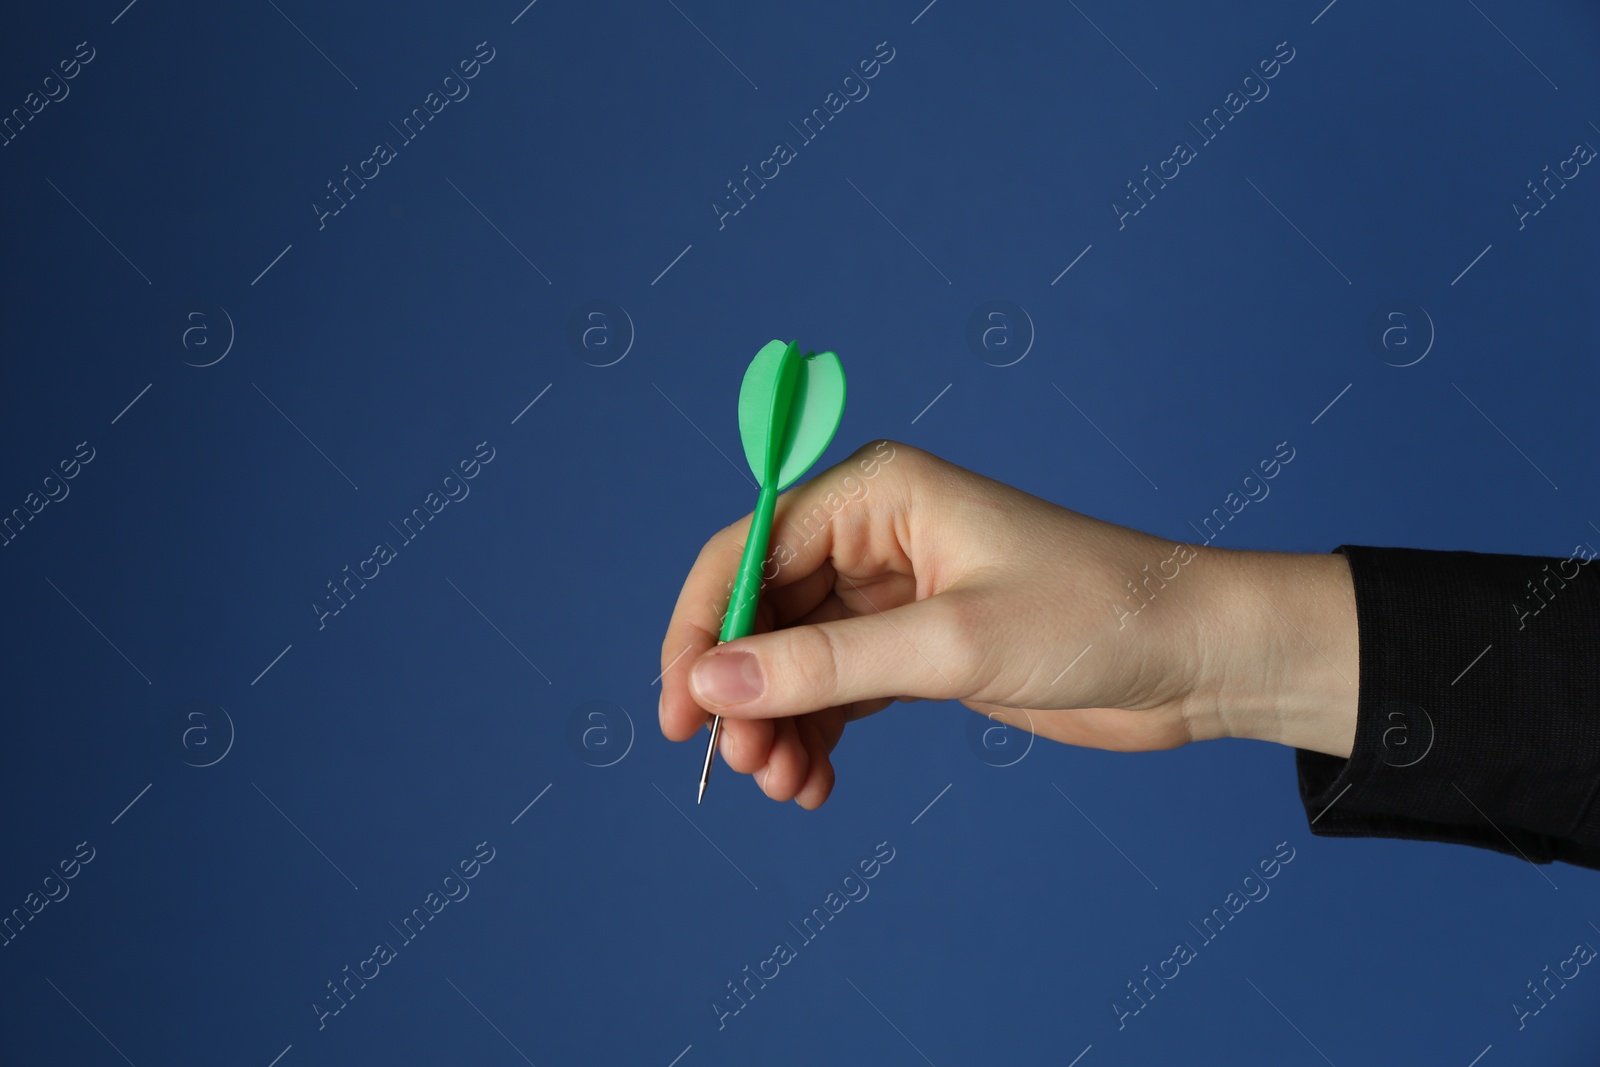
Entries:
{"x":711,"y":750}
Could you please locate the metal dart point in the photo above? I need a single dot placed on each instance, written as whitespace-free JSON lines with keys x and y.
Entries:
{"x":711,"y":752}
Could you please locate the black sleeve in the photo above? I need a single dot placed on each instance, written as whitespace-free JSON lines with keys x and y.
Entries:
{"x":1478,"y":719}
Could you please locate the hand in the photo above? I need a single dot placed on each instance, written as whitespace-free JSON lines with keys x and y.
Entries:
{"x":898,"y":575}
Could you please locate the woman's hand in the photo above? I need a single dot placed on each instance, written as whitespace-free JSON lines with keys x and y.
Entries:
{"x":898,"y":575}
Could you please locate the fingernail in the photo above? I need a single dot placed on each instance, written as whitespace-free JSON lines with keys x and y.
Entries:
{"x":732,"y":678}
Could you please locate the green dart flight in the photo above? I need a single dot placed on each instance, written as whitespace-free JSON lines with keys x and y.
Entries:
{"x":789,"y":408}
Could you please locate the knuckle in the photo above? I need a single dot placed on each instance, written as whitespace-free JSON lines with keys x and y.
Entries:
{"x":870,"y":447}
{"x":886,"y":452}
{"x":733,"y":533}
{"x":714,"y":548}
{"x":963,"y":635}
{"x":899,"y":450}
{"x":815,"y":666}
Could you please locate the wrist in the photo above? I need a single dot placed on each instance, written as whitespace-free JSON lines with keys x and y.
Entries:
{"x":1278,"y":649}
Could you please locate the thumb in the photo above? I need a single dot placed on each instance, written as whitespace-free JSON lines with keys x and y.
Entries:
{"x":917,"y":650}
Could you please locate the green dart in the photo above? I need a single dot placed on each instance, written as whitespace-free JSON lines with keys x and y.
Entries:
{"x":789,"y":407}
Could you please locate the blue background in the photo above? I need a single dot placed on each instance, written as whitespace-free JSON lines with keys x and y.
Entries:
{"x":376,"y":752}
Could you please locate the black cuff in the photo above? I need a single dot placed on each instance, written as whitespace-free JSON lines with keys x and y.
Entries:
{"x":1478,"y":720}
